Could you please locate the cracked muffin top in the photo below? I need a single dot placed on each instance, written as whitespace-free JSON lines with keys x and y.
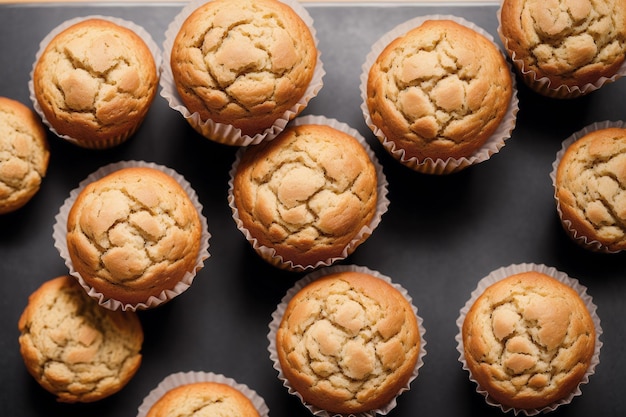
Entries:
{"x":74,"y":348}
{"x":571,"y":42}
{"x":439,"y":91}
{"x":203,"y":398}
{"x":24,"y":154}
{"x":133,"y":234}
{"x":590,"y":188}
{"x":95,"y":82}
{"x":306,"y":194}
{"x":348,"y":342}
{"x":243,"y":62}
{"x":528,"y":340}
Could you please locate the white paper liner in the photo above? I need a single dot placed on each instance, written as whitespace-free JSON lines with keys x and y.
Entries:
{"x":437,"y":166}
{"x":59,"y":234}
{"x":381,"y":206}
{"x":542,"y":85}
{"x":220,"y":132}
{"x":280,"y":311}
{"x":505,"y":272}
{"x":183,"y":378}
{"x":583,"y":241}
{"x":139,"y":30}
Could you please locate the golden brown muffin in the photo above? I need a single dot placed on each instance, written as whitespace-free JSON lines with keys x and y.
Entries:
{"x":208,"y":398}
{"x":528,"y":340}
{"x":95,"y":82}
{"x":243,"y":62}
{"x":133,"y":234}
{"x":571,"y":42}
{"x":439,"y":91}
{"x":348,"y":342}
{"x":590,"y":189}
{"x":24,"y":154}
{"x":74,"y":348}
{"x":306,"y":194}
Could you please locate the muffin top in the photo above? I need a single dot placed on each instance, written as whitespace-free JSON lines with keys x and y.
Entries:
{"x":133,"y":234}
{"x":74,"y":348}
{"x":439,"y":91}
{"x":348,"y":342}
{"x":571,"y":42}
{"x":590,"y":187}
{"x":95,"y":80}
{"x":205,"y":398}
{"x":528,"y":340}
{"x":243,"y":62}
{"x":307,"y":194}
{"x":24,"y":154}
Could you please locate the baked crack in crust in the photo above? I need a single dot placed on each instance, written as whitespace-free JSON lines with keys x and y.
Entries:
{"x":95,"y":80}
{"x":528,"y":340}
{"x":307,"y":193}
{"x":348,"y":342}
{"x":591,"y":187}
{"x":74,"y":348}
{"x":572,"y":42}
{"x":243,"y":62}
{"x":133,"y":234}
{"x":203,"y":399}
{"x":24,"y":154}
{"x":439,"y":91}
{"x":572,"y":34}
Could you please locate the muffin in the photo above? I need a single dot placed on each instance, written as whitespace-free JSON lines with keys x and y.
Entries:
{"x":528,"y":341}
{"x":185,"y":393}
{"x":133,"y":234}
{"x":24,"y":154}
{"x":589,"y":189}
{"x":94,"y":82}
{"x":437,"y":92}
{"x":221,"y":399}
{"x":565,"y":49}
{"x":74,"y":348}
{"x":306,"y":198}
{"x":347,"y":342}
{"x":243,"y":63}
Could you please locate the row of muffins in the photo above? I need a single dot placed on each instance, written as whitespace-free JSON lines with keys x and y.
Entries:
{"x":234,"y":86}
{"x":421,"y":87}
{"x":344,"y":340}
{"x":196,"y":82}
{"x":240,"y":69}
{"x":133,"y":233}
{"x":432,"y":109}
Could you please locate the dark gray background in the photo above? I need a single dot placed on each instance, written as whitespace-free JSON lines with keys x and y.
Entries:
{"x":439,"y":237}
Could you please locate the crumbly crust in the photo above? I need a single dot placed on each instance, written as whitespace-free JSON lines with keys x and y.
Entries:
{"x":528,"y":340}
{"x":243,"y":62}
{"x":203,"y":398}
{"x":307,"y":194}
{"x":439,"y":91}
{"x":571,"y":42}
{"x":24,"y":154}
{"x":133,"y":234}
{"x":348,"y":342}
{"x":74,"y":348}
{"x":591,"y":187}
{"x":95,"y":82}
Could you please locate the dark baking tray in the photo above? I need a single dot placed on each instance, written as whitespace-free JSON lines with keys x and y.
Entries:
{"x":439,"y":237}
